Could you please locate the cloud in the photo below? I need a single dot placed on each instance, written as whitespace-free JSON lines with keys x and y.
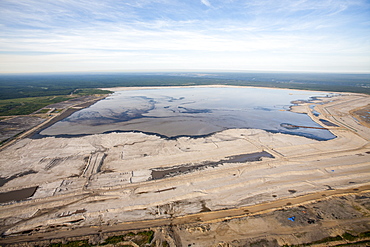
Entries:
{"x":206,"y":3}
{"x":171,"y":33}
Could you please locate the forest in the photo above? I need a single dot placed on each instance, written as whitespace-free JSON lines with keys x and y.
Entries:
{"x":23,"y":93}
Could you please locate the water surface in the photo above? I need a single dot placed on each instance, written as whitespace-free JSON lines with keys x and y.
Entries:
{"x":191,"y":112}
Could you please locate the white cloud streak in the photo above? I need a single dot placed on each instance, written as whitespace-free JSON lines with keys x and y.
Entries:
{"x":206,"y":3}
{"x":96,"y":35}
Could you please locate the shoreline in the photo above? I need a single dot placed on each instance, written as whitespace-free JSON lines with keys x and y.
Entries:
{"x":116,"y":89}
{"x":169,"y":137}
{"x":111,"y":193}
{"x":39,"y":136}
{"x":66,"y":113}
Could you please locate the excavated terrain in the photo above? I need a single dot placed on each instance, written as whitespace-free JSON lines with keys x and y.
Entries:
{"x":237,"y":187}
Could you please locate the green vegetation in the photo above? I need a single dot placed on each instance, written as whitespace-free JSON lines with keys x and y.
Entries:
{"x":81,"y":243}
{"x":149,"y":235}
{"x":364,"y":234}
{"x":348,"y":236}
{"x":90,"y":91}
{"x":36,"y":85}
{"x":113,"y":240}
{"x":44,"y":110}
{"x":140,"y":238}
{"x":24,"y":106}
{"x":14,"y":89}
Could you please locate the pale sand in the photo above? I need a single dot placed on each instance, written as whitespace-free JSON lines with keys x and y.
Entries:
{"x":71,"y":179}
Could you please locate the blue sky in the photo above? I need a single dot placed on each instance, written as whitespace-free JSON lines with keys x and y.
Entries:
{"x":164,"y":35}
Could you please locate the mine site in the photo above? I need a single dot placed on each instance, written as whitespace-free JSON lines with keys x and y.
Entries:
{"x":77,"y":181}
{"x":169,"y":123}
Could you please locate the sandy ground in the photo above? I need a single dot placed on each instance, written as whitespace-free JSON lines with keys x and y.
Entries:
{"x":106,"y":180}
{"x":14,"y":128}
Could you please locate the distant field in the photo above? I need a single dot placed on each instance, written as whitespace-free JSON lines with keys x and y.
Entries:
{"x":23,"y":94}
{"x":24,"y":106}
{"x":90,"y":91}
{"x":36,"y":85}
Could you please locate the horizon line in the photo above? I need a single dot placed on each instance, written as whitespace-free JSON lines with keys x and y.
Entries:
{"x":182,"y":71}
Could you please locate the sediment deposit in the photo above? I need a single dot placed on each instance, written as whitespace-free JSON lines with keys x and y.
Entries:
{"x":110,"y":180}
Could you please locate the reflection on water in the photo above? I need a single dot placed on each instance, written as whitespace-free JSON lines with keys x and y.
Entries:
{"x":192,"y":111}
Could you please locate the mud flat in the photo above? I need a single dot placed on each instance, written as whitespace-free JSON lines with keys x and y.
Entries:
{"x":250,"y":186}
{"x":13,"y":126}
{"x":63,"y":115}
{"x":192,"y":111}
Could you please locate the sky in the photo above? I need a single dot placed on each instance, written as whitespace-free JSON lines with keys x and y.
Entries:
{"x":190,"y":35}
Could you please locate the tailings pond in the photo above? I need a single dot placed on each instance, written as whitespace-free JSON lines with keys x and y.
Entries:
{"x":191,"y":111}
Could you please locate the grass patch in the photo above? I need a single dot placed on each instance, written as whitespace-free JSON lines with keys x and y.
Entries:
{"x":364,"y":234}
{"x":24,"y":106}
{"x":140,"y":238}
{"x":349,"y":236}
{"x":91,"y":91}
{"x":45,"y":110}
{"x":149,"y":235}
{"x":113,"y":240}
{"x":81,"y":243}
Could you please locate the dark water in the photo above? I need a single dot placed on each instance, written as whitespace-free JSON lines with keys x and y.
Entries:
{"x":17,"y":195}
{"x":159,"y":173}
{"x":191,"y":112}
{"x":313,"y":111}
{"x":328,"y":123}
